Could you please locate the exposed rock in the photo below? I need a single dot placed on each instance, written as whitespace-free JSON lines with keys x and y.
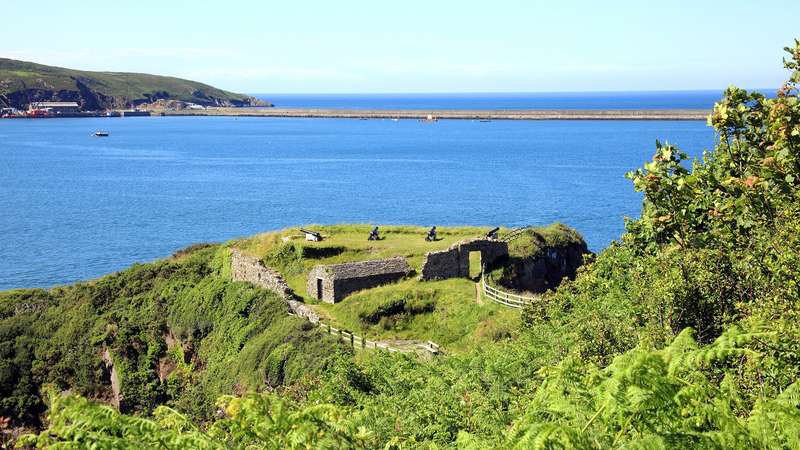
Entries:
{"x":116,"y":389}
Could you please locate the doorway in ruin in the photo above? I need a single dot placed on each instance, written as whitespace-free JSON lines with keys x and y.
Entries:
{"x":319,"y":288}
{"x":475,"y":266}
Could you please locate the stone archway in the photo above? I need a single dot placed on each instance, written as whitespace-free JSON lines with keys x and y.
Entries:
{"x":454,"y":262}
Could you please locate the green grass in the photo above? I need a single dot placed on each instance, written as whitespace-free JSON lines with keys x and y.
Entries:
{"x":295,"y":257}
{"x":533,"y":241}
{"x":456,"y":320}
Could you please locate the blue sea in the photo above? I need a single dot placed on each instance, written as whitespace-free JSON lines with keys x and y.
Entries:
{"x":74,"y":207}
{"x":698,"y":99}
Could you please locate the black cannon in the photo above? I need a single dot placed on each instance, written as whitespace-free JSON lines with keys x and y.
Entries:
{"x":373,"y":235}
{"x":493,"y":233}
{"x":311,"y":235}
{"x":431,"y":236}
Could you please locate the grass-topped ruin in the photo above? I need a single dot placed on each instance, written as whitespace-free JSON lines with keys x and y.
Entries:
{"x":445,"y":307}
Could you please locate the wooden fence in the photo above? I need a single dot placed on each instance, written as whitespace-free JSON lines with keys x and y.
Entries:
{"x":360,"y":343}
{"x":505,"y":298}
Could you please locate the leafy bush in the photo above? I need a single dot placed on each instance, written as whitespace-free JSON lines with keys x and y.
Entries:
{"x":681,"y":335}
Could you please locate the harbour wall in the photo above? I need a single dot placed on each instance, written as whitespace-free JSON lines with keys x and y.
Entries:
{"x":530,"y":114}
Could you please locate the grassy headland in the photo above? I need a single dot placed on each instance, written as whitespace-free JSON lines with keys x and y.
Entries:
{"x":448,"y":312}
{"x":23,"y":82}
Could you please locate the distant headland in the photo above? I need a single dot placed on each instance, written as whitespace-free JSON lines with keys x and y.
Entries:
{"x":33,"y":90}
{"x":24,"y":83}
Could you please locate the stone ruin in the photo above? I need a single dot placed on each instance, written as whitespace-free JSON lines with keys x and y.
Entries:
{"x":332,"y":283}
{"x":454,"y":262}
{"x":250,"y":269}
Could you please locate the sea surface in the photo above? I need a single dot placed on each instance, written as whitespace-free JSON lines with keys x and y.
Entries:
{"x":697,"y":99}
{"x":74,"y":207}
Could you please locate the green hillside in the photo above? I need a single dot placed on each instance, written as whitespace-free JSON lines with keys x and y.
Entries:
{"x":24,"y":82}
{"x":682,"y":334}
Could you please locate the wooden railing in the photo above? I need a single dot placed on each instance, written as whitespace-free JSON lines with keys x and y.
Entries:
{"x":360,"y":343}
{"x":503,"y":297}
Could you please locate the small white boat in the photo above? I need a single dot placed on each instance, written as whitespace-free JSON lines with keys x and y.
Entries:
{"x":101,"y":133}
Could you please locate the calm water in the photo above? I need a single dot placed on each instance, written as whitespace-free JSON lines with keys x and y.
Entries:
{"x":75,"y":207}
{"x":556,"y":100}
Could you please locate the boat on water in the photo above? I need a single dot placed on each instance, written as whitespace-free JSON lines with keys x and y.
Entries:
{"x":101,"y":133}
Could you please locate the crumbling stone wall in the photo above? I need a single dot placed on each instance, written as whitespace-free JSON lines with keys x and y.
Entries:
{"x":248,"y":268}
{"x":442,"y":265}
{"x":454,"y":262}
{"x":340,"y":280}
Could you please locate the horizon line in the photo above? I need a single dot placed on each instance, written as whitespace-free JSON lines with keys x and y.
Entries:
{"x":610,"y":91}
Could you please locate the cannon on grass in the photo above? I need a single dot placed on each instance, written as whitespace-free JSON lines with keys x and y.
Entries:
{"x":311,"y":235}
{"x":431,"y":236}
{"x":373,"y":235}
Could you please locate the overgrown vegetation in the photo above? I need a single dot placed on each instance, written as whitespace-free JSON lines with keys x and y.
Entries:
{"x":178,"y":332}
{"x":681,"y":335}
{"x":533,"y":241}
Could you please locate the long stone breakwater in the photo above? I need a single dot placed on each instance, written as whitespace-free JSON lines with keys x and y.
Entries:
{"x":425,"y":115}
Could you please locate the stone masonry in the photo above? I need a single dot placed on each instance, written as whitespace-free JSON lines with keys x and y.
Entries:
{"x":334,"y":282}
{"x":248,"y":268}
{"x":454,"y":262}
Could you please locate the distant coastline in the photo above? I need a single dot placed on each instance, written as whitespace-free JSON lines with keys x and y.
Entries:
{"x":529,"y":114}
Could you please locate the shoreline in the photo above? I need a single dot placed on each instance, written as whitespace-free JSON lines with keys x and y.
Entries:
{"x":527,"y":114}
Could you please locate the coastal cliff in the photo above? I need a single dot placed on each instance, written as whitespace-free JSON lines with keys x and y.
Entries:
{"x":22,"y":83}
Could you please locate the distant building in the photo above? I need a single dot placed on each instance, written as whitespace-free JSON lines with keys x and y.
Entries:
{"x":334,"y":282}
{"x":54,"y":107}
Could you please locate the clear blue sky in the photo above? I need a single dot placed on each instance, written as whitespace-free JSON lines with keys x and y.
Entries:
{"x":413,"y":46}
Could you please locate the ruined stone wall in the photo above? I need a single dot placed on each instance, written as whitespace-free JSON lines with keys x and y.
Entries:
{"x":300,"y":309}
{"x":248,"y":268}
{"x":442,"y":265}
{"x":345,"y":287}
{"x":454,"y":262}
